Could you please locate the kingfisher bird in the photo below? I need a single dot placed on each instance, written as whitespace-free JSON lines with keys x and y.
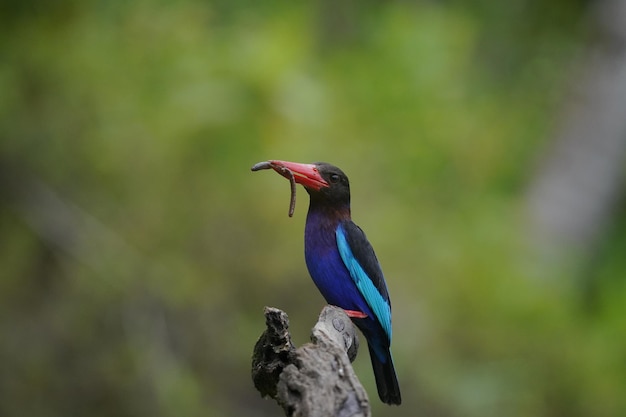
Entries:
{"x":343,"y":265}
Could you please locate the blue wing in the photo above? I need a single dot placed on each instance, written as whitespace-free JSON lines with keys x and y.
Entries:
{"x":359,"y":257}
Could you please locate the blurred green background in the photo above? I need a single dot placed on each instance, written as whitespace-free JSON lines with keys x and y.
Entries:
{"x":138,"y":250}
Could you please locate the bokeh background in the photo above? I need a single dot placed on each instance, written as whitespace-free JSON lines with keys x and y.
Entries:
{"x":484,"y":141}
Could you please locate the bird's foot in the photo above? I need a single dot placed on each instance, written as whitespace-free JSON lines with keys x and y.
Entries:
{"x":353,"y":314}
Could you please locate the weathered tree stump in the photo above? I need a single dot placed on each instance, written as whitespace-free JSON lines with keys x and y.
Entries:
{"x":315,"y":379}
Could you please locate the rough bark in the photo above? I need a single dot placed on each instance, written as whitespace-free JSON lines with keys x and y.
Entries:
{"x":316,"y":379}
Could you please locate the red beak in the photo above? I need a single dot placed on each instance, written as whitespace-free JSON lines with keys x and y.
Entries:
{"x":305,"y":174}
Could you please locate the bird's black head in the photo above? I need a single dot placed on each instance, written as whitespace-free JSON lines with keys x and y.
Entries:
{"x":338,"y":190}
{"x":325,"y":183}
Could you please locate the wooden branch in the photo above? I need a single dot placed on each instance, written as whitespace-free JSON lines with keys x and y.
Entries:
{"x":317,"y":378}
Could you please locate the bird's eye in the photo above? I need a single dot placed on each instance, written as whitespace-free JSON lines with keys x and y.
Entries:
{"x":334,"y":178}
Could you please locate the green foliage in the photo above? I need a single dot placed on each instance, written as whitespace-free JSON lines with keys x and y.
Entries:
{"x":144,"y":118}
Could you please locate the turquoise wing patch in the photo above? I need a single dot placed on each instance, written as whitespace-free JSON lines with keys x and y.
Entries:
{"x":376,"y":302}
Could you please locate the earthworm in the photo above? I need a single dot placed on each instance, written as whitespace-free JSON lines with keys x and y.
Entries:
{"x":261,"y":165}
{"x":292,"y":182}
{"x":285,"y":172}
